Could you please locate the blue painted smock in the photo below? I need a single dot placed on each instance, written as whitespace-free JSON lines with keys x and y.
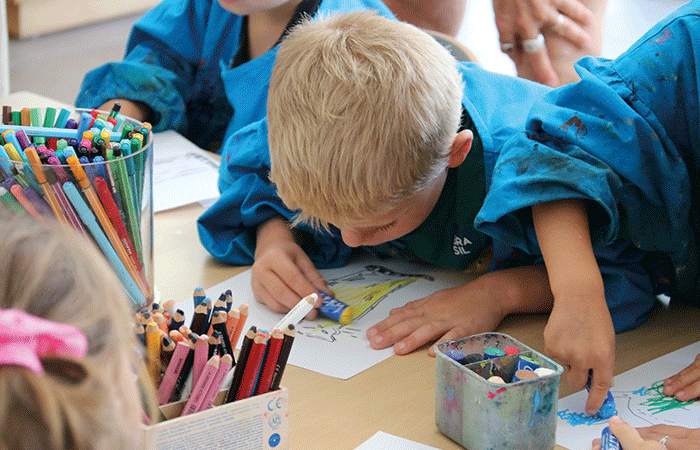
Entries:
{"x":179,"y":61}
{"x":627,"y":139}
{"x":227,"y":229}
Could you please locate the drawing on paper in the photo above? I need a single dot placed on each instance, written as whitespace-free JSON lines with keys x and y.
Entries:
{"x":363,"y":290}
{"x":647,"y":403}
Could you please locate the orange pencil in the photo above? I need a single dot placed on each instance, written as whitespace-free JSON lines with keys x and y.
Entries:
{"x":231,"y":321}
{"x":243,"y":316}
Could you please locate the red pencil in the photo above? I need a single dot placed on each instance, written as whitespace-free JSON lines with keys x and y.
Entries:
{"x":269,"y":362}
{"x":252,"y":367}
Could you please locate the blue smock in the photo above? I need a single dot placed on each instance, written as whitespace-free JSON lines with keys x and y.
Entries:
{"x":227,"y":229}
{"x":179,"y":60}
{"x":627,"y":139}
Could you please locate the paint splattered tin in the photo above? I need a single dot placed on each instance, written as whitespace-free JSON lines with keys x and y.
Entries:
{"x":483,"y":415}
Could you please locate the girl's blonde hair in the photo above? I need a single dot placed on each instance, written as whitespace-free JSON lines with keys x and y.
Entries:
{"x":93,"y":403}
{"x":362,"y":111}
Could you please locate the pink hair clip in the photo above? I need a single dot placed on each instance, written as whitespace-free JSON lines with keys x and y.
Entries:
{"x":25,"y":339}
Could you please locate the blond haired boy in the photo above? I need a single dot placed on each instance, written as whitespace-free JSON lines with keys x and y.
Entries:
{"x":375,"y":130}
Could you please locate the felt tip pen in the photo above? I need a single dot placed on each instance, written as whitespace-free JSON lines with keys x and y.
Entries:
{"x":336,"y":310}
{"x":107,"y":226}
{"x":88,"y":218}
{"x":297,"y":313}
{"x":61,"y":133}
{"x":48,"y":192}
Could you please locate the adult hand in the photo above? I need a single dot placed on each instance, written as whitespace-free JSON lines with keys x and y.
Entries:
{"x":685,"y":385}
{"x":657,"y":437}
{"x":524,"y":27}
{"x":282,"y":273}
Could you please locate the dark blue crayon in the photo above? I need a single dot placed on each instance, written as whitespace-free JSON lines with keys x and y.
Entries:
{"x":608,"y":409}
{"x":608,"y":441}
{"x":526,"y":363}
{"x":473,"y":357}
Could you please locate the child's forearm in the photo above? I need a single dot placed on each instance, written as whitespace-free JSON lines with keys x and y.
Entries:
{"x":564,"y":239}
{"x":271,"y":232}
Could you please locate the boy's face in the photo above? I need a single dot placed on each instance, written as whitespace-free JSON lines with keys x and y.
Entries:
{"x":247,"y":7}
{"x":398,"y":222}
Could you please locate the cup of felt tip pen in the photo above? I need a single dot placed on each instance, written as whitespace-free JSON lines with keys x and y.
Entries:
{"x":89,"y":172}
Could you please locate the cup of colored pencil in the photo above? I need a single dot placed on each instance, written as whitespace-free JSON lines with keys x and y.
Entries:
{"x":89,"y":172}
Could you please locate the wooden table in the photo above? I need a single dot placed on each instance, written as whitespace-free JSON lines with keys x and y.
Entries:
{"x":396,"y":396}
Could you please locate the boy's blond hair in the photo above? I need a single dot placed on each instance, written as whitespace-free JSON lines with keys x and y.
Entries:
{"x":92,"y":403}
{"x":362,"y":111}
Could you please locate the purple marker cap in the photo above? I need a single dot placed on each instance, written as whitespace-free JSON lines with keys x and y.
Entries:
{"x":23,"y":139}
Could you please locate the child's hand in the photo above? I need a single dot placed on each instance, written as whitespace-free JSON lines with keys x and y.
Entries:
{"x":475,"y":307}
{"x":651,"y":438}
{"x":580,"y":335}
{"x":282,"y":273}
{"x":450,"y":313}
{"x":685,"y":385}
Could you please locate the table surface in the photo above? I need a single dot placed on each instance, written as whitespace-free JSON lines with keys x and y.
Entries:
{"x":396,"y":396}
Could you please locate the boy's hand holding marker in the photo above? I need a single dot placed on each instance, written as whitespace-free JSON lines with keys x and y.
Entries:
{"x":282,"y":272}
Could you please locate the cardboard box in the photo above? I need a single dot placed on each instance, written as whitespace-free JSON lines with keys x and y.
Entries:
{"x":482,"y":415}
{"x":260,"y":423}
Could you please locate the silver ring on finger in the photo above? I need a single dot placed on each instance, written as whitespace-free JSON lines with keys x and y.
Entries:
{"x":560,"y":19}
{"x":663,"y":441}
{"x":507,"y":47}
{"x":533,"y":45}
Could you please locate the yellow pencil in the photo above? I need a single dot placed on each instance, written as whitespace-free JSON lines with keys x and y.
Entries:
{"x":153,"y":340}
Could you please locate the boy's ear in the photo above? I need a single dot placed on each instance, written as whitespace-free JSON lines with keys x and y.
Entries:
{"x":460,"y":148}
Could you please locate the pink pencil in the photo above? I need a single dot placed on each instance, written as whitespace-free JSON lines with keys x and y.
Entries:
{"x":201,"y":354}
{"x":200,"y":390}
{"x":173,"y":371}
{"x":224,"y":368}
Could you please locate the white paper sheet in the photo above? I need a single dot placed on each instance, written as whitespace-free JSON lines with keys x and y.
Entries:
{"x":638,"y":400}
{"x":182,"y":172}
{"x":383,"y":441}
{"x":327,"y":347}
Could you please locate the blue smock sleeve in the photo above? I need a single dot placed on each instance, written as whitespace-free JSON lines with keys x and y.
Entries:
{"x":172,"y":65}
{"x":624,"y":138}
{"x":227,"y":229}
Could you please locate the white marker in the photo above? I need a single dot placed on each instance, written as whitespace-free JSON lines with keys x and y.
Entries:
{"x":297,"y":313}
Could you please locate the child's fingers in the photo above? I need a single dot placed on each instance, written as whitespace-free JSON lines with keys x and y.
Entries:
{"x":600,"y":385}
{"x":685,"y":385}
{"x":425,"y":331}
{"x":625,"y":433}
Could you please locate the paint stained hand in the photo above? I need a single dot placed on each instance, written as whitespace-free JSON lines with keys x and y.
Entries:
{"x":580,"y":335}
{"x":444,"y":315}
{"x":685,"y":385}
